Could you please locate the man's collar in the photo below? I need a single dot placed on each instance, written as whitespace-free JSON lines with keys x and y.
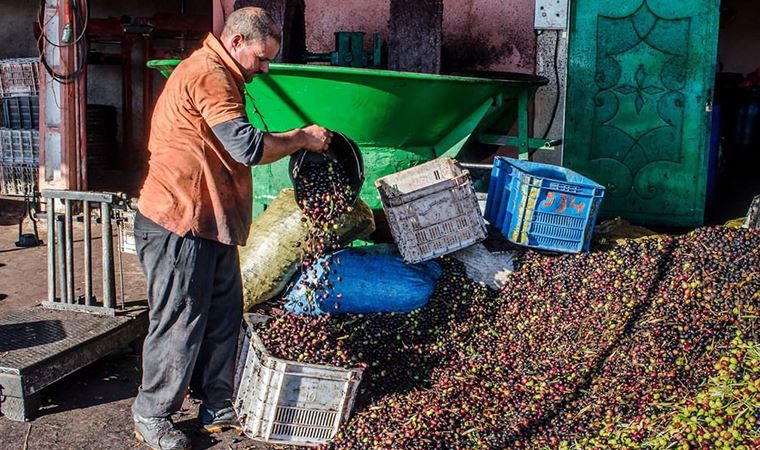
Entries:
{"x":215,"y":46}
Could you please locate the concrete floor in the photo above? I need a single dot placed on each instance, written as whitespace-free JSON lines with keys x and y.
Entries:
{"x":89,"y":409}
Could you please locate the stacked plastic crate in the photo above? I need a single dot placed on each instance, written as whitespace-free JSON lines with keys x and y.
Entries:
{"x":19,"y":134}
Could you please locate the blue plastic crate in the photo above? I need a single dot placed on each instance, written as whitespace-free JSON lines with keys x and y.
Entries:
{"x":542,"y":206}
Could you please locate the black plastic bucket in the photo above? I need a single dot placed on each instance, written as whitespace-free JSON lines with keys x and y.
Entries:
{"x":344,"y":151}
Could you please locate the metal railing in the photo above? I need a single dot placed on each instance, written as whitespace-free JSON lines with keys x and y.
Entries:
{"x":60,"y":249}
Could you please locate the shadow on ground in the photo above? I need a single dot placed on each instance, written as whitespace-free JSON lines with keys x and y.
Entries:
{"x":112,"y":379}
{"x":17,"y":336}
{"x":11,"y":211}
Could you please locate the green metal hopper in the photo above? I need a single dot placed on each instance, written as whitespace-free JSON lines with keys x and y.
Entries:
{"x":398,"y":119}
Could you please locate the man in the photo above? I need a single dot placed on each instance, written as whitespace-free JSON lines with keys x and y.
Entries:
{"x":194,"y":209}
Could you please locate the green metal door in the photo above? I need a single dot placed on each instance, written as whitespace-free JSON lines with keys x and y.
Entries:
{"x":640,"y":77}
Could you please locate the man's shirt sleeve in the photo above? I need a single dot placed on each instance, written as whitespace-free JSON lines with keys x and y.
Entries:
{"x":243,"y":142}
{"x":220,"y":103}
{"x":216,"y":97}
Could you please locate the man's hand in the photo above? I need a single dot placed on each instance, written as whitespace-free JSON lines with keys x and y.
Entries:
{"x":316,"y":139}
{"x":265,"y":148}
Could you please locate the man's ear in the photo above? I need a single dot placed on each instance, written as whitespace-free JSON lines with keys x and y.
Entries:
{"x":237,"y":40}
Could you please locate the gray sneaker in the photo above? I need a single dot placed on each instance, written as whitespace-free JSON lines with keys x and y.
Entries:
{"x":159,"y":433}
{"x":217,"y":420}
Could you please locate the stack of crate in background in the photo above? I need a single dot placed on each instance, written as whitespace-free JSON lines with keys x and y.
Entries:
{"x":19,"y":134}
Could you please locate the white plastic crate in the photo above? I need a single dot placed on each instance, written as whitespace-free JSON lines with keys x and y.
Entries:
{"x":432,"y":209}
{"x":21,"y":113}
{"x":19,"y":76}
{"x":19,"y":146}
{"x":285,"y":402}
{"x":18,"y":179}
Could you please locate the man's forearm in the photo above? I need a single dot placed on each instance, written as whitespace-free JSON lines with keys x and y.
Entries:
{"x":250,"y":146}
{"x":280,"y":145}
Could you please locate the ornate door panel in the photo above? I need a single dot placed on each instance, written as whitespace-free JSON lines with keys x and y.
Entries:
{"x":639,"y":89}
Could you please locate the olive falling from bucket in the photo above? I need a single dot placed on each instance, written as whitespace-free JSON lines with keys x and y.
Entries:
{"x":326,"y":187}
{"x":342,"y":151}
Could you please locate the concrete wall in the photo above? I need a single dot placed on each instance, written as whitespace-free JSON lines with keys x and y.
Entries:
{"x":16,"y":32}
{"x":489,"y":35}
{"x":547,"y":121}
{"x":323,"y":17}
{"x":477,"y":34}
{"x":739,"y":44}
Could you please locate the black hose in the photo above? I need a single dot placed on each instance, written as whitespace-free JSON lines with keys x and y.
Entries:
{"x":556,"y":78}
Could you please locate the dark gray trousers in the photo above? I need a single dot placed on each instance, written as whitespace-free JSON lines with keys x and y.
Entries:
{"x":196,"y":306}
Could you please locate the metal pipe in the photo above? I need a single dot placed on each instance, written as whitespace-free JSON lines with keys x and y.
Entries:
{"x":109,"y":287}
{"x":51,"y":248}
{"x":80,"y":195}
{"x":476,"y":166}
{"x":523,"y":125}
{"x":87,"y":256}
{"x":81,"y":103}
{"x":318,"y":57}
{"x":69,"y":251}
{"x":121,"y":278}
{"x":61,"y":258}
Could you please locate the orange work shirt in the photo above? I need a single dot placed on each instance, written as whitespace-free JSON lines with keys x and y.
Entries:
{"x":193,"y":184}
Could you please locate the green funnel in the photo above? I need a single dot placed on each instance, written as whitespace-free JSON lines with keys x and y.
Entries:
{"x":398,"y":119}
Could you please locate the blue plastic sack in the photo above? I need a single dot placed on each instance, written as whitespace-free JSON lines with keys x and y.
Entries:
{"x":372,"y":279}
